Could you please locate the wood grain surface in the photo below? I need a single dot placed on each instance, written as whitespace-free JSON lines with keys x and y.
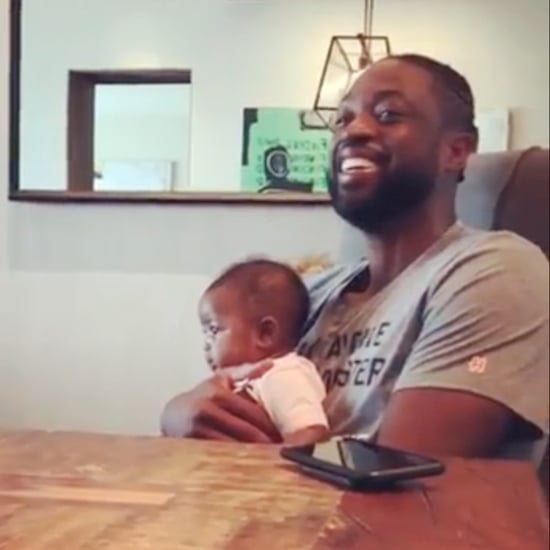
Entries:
{"x":80,"y":491}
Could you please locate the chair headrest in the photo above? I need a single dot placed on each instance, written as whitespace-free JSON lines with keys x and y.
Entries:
{"x":508,"y":191}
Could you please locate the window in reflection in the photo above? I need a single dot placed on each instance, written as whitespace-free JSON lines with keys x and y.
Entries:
{"x":141,"y":138}
{"x":129,"y":131}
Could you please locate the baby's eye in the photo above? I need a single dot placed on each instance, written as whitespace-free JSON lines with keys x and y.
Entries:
{"x":213,"y":329}
{"x":210,"y":331}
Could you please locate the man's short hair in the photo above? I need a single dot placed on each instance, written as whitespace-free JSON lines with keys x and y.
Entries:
{"x":265,"y":287}
{"x":453,"y":90}
{"x":456,"y":99}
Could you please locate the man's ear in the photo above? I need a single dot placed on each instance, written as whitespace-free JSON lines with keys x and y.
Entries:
{"x":459,"y":147}
{"x":267,"y":333}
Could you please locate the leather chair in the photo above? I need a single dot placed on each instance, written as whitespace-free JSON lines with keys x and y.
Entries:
{"x":500,"y":191}
{"x":508,"y":191}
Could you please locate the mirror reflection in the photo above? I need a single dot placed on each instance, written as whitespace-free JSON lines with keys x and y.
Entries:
{"x":128,"y":131}
{"x":141,"y":137}
{"x":106,"y":102}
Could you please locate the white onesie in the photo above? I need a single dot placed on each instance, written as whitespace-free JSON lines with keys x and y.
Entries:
{"x":292,"y":394}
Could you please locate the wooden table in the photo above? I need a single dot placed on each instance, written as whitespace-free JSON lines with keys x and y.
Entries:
{"x":67,"y":491}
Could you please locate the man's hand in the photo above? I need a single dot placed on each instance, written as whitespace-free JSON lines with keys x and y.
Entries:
{"x":213,"y":410}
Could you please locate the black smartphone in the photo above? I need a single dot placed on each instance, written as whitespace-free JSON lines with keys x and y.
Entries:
{"x":357,"y":464}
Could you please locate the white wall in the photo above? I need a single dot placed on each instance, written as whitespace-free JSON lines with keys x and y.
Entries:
{"x":97,"y":321}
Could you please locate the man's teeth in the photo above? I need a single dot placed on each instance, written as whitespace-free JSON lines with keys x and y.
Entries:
{"x":357,"y":164}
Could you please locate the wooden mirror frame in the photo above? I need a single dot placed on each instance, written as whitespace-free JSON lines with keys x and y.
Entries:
{"x":17,"y":194}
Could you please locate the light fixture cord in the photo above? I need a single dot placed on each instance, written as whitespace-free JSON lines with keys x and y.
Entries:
{"x":368,"y":17}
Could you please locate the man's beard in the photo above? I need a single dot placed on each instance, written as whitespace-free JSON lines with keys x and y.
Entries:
{"x":398,"y":192}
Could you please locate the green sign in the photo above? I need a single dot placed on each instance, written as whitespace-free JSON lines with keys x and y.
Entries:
{"x":282,"y":153}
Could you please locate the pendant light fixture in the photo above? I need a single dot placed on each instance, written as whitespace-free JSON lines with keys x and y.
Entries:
{"x":347,"y":57}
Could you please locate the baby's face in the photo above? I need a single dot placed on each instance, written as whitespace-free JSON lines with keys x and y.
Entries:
{"x":228,"y":339}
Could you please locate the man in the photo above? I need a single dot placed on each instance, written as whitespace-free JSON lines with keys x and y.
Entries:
{"x":439,"y":344}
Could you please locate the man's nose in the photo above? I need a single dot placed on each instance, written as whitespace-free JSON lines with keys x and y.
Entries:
{"x":363,"y":126}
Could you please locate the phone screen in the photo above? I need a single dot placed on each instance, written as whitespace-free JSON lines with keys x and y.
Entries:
{"x":364,"y":458}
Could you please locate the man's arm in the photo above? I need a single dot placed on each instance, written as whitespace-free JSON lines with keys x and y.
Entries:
{"x":445,"y":423}
{"x":478,"y":372}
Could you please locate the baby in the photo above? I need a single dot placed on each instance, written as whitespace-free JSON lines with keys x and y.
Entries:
{"x":256,"y":310}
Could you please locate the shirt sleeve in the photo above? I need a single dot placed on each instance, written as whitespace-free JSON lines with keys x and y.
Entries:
{"x":485,"y":330}
{"x":292,"y":393}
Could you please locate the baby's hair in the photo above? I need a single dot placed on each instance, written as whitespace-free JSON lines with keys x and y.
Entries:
{"x":265,"y":287}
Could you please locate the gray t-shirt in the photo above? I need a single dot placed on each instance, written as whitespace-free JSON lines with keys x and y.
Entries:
{"x":469,"y":314}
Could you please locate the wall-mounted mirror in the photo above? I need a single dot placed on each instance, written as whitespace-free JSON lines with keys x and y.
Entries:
{"x":122,"y":100}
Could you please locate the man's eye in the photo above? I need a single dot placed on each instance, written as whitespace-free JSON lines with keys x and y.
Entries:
{"x":342,"y":119}
{"x":335,"y":124}
{"x":387,"y":116}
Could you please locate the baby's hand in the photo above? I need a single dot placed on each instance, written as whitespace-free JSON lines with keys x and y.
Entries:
{"x":235,"y":376}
